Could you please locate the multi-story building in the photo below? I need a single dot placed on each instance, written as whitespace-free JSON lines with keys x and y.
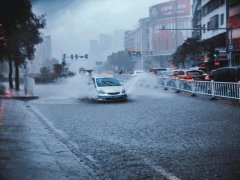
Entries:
{"x":141,"y":41}
{"x":233,"y":20}
{"x":211,"y":16}
{"x":129,"y":40}
{"x":118,"y":40}
{"x":196,"y":18}
{"x":43,"y":56}
{"x":173,"y":15}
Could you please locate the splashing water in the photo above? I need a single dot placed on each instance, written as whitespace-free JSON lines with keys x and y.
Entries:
{"x":76,"y":87}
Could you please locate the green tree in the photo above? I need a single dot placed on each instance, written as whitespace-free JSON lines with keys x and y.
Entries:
{"x":22,"y":32}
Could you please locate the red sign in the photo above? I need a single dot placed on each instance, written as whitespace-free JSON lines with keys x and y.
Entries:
{"x":168,"y":9}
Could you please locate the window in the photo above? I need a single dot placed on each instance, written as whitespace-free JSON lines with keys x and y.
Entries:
{"x":222,"y":19}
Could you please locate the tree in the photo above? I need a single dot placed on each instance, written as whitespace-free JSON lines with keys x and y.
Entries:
{"x":22,"y":34}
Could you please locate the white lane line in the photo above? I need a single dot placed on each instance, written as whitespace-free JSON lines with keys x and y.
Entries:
{"x":162,"y":171}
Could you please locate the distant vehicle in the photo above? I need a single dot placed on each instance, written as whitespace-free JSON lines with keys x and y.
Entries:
{"x":226,"y":74}
{"x":157,"y":71}
{"x":137,"y":72}
{"x":198,"y":68}
{"x":109,"y":89}
{"x":167,"y":74}
{"x":190,"y":74}
{"x":81,"y":70}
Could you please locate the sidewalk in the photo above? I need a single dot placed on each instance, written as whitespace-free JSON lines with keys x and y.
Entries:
{"x":13,"y":94}
{"x":28,"y":150}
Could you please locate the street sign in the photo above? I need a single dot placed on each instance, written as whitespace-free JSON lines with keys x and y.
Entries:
{"x":230,"y":47}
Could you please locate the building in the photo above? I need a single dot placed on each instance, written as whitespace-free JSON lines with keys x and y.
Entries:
{"x":129,"y":40}
{"x":196,"y":18}
{"x":141,"y":41}
{"x":211,"y":16}
{"x":172,"y":15}
{"x":233,"y":20}
{"x":43,"y":56}
{"x":118,"y":40}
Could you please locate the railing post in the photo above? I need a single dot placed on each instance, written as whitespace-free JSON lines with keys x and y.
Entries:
{"x":193,"y":87}
{"x":177,"y":86}
{"x":165,"y":83}
{"x":213,"y":91}
{"x":239,"y":91}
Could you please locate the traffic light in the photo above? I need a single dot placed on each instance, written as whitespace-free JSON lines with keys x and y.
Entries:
{"x":86,"y":56}
{"x":71,"y":56}
{"x":76,"y":56}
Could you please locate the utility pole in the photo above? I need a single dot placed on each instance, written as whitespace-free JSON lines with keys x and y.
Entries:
{"x":176,"y":25}
{"x":230,"y":47}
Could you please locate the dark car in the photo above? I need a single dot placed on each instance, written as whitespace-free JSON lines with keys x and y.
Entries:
{"x":226,"y":74}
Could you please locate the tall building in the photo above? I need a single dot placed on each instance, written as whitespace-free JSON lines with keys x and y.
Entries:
{"x":43,"y":56}
{"x":163,"y":43}
{"x":118,"y":40}
{"x":141,"y":41}
{"x":129,"y":40}
{"x":105,"y":42}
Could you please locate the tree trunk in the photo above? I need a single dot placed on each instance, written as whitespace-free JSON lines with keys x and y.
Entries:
{"x":10,"y":80}
{"x":17,"y":76}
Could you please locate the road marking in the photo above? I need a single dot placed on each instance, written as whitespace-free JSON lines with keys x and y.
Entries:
{"x":164,"y":172}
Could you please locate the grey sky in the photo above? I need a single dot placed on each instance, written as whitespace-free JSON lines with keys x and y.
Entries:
{"x":72,"y":23}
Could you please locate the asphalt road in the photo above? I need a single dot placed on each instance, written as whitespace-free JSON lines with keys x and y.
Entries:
{"x":154,"y":135}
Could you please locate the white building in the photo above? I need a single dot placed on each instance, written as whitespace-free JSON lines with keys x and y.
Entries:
{"x":213,"y":16}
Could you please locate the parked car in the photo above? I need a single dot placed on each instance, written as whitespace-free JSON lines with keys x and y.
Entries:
{"x":109,"y":89}
{"x":157,"y":71}
{"x":166,"y":74}
{"x":190,"y":74}
{"x":226,"y":74}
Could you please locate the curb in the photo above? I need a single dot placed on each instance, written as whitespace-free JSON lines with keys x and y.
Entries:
{"x":20,"y":97}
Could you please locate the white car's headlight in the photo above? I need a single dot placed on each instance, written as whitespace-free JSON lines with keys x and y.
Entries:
{"x":123,"y":91}
{"x":101,"y":92}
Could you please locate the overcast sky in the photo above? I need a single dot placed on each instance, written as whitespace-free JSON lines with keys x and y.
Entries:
{"x":72,"y":23}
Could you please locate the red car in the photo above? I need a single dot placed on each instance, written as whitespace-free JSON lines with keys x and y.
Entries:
{"x":190,"y":74}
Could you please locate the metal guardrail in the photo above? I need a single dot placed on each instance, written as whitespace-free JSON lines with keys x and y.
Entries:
{"x":210,"y":88}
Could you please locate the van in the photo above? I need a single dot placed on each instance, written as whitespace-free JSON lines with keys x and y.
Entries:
{"x":226,"y":74}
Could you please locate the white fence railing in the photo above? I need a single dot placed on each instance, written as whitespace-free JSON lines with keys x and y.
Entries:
{"x":210,"y":88}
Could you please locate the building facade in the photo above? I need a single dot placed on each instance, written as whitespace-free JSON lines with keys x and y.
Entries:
{"x":43,"y":56}
{"x":233,"y":20}
{"x":173,"y":15}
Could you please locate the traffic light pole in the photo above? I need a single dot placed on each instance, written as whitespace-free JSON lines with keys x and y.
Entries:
{"x":229,"y":30}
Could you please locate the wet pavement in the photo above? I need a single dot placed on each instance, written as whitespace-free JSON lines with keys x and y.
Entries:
{"x":28,"y":150}
{"x":156,"y":134}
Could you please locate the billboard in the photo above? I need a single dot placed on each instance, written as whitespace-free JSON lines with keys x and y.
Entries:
{"x":169,"y":10}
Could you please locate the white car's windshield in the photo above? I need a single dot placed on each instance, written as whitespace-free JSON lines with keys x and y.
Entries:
{"x":102,"y":82}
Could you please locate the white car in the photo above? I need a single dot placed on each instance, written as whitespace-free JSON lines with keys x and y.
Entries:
{"x":109,"y":89}
{"x":137,"y":72}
